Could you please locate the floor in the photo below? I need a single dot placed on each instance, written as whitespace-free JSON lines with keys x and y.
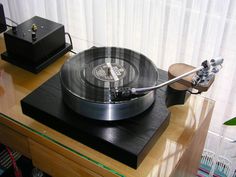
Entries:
{"x":223,"y":167}
{"x":24,"y":165}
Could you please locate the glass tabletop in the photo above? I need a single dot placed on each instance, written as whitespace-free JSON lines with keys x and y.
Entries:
{"x":16,"y":83}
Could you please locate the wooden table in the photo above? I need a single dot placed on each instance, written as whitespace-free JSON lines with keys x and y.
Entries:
{"x":176,"y":153}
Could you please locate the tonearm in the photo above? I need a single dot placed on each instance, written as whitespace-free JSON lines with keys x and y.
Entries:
{"x":203,"y":76}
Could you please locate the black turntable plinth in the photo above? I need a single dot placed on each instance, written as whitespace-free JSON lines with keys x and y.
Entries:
{"x":127,"y":141}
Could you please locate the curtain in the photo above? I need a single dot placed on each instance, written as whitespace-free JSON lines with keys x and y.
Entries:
{"x":166,"y":31}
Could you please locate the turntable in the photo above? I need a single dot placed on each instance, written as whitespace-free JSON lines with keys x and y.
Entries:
{"x":88,"y":81}
{"x":111,"y":99}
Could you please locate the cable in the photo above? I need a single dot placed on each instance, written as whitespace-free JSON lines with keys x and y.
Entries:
{"x":17,"y":171}
{"x":92,"y":42}
{"x":97,"y":44}
{"x":11,"y":21}
{"x":13,"y":28}
{"x":70,"y":43}
{"x":69,"y":38}
{"x":194,"y":93}
{"x":73,"y":52}
{"x":10,"y":26}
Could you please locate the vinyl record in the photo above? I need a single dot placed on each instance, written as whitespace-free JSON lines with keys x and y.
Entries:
{"x":91,"y":75}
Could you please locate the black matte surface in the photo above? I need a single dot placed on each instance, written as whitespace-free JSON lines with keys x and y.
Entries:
{"x":40,"y":66}
{"x":50,"y":36}
{"x":34,"y":53}
{"x":176,"y":97}
{"x":3,"y":26}
{"x":127,"y":141}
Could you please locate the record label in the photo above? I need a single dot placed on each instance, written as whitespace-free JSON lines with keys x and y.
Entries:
{"x":109,"y":72}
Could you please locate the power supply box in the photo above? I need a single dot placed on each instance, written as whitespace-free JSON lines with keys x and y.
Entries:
{"x":35,"y":43}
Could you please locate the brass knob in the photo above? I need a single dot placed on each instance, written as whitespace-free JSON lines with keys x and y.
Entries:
{"x":34,"y":28}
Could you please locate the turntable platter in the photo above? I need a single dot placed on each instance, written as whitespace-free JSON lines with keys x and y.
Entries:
{"x":88,"y":78}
